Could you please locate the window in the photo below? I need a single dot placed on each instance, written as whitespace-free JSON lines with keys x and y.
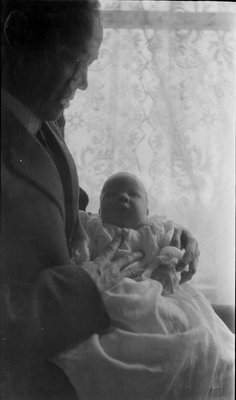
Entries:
{"x":161,"y":104}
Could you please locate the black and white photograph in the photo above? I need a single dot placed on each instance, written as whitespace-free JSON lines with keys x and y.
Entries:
{"x":117,"y":268}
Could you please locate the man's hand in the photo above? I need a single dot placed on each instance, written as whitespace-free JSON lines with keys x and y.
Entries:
{"x":107,"y":273}
{"x":183,"y":239}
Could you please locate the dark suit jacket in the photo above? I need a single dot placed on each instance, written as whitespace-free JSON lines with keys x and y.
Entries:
{"x":47,"y":303}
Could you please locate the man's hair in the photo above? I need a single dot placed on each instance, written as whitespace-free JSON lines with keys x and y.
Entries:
{"x":51,"y":23}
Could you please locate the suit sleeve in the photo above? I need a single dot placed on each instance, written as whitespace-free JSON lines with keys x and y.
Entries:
{"x":61,"y":308}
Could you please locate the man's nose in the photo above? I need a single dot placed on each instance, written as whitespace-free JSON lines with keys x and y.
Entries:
{"x":81,"y":79}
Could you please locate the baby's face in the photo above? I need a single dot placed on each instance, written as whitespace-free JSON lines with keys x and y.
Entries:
{"x":123,"y":202}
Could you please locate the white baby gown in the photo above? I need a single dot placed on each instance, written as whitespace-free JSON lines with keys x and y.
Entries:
{"x":158,"y":347}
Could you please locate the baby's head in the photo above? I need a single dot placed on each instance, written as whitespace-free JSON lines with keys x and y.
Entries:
{"x":123,"y":201}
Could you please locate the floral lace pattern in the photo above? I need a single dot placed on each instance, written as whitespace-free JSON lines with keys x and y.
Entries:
{"x":161,"y":104}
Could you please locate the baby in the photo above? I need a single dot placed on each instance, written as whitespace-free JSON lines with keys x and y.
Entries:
{"x":170,"y":346}
{"x":124,"y":204}
{"x":123,"y":201}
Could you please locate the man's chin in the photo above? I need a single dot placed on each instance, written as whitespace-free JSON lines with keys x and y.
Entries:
{"x":52,"y":115}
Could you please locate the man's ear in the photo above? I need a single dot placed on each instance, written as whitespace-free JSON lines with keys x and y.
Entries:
{"x":17,"y":32}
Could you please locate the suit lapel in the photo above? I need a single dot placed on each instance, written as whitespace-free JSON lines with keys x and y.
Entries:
{"x":72,"y":184}
{"x":28,"y":158}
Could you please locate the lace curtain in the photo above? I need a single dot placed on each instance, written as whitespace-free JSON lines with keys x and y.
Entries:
{"x":161,"y":104}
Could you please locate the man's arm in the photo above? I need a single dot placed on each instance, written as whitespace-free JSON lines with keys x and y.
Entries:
{"x":61,"y":308}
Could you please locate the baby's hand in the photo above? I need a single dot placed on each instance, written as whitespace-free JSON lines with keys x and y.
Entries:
{"x":163,"y":268}
{"x":183,"y":239}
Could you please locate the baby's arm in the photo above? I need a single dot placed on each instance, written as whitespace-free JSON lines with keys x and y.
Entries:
{"x":183,"y":239}
{"x":165,"y":270}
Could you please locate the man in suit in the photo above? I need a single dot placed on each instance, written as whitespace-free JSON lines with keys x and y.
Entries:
{"x":47,"y":303}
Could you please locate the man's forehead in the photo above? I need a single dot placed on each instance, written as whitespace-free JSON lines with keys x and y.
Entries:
{"x":88,"y":52}
{"x":87,"y":48}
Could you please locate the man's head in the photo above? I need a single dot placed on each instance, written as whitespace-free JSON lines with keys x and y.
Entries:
{"x":47,"y":47}
{"x":123,"y":201}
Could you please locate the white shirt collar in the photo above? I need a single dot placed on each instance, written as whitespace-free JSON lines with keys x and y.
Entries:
{"x":21,"y":112}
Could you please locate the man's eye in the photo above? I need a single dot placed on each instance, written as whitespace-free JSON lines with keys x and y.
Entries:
{"x":69,"y":58}
{"x":73,"y":61}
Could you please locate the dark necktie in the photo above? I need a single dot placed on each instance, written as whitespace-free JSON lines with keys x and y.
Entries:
{"x":45,"y":137}
{"x":50,"y":143}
